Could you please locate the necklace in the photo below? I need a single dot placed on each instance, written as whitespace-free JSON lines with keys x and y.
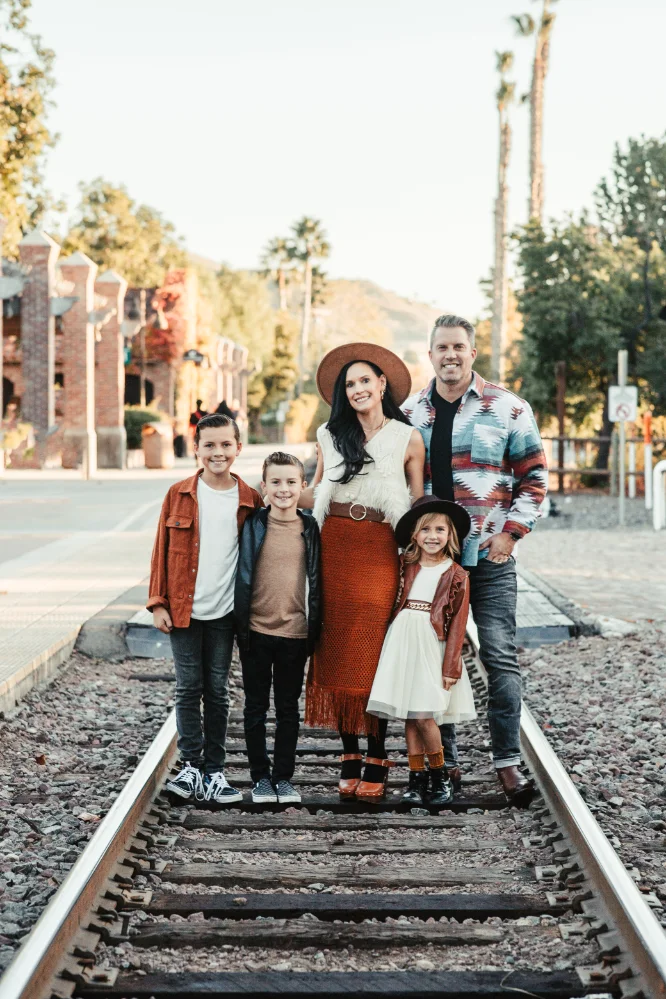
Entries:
{"x":376,"y":430}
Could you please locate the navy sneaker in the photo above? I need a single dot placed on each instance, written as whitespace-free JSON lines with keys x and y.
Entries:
{"x":286,"y":792}
{"x":219,"y":790}
{"x":187,"y":784}
{"x":263,"y":792}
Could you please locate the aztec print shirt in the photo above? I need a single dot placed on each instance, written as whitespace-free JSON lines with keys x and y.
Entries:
{"x":499,"y":467}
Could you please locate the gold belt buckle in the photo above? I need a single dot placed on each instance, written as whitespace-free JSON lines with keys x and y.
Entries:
{"x":364,"y":514}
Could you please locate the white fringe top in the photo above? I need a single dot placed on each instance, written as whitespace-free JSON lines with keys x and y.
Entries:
{"x":382,"y":484}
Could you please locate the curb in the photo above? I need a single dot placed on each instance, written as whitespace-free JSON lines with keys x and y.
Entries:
{"x":584,"y":623}
{"x":103,"y":636}
{"x":39,"y":670}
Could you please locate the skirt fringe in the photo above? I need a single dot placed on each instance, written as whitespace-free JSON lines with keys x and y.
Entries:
{"x":342,"y":710}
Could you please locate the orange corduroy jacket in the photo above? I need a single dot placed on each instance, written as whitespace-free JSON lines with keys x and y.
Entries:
{"x":175,"y":559}
{"x":448,"y":613}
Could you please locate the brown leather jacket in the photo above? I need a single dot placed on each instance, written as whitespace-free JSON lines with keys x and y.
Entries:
{"x":448,"y":614}
{"x":173,"y":567}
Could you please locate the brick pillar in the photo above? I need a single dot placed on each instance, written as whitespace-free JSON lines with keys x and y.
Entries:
{"x":39,"y":252}
{"x":110,"y":376}
{"x":80,"y":441}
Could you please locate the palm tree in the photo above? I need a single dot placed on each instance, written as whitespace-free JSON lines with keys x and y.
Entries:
{"x":309,"y":245}
{"x":276,"y":260}
{"x":526,"y":26}
{"x":505,"y":96}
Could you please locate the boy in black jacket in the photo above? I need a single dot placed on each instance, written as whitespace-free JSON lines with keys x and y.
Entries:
{"x":277,"y":613}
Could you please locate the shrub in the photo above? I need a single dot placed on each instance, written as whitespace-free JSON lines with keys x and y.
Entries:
{"x":134,"y":421}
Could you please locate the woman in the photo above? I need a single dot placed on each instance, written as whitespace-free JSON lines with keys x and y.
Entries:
{"x":369,"y":460}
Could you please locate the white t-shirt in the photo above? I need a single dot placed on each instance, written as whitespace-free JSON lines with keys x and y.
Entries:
{"x":218,"y":552}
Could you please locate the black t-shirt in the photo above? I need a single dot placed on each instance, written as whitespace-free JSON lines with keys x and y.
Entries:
{"x":440,"y":446}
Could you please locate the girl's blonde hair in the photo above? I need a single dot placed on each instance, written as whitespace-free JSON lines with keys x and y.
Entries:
{"x":412,"y":552}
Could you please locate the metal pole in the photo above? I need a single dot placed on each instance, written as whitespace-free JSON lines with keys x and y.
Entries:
{"x":632,"y":470}
{"x":142,"y":343}
{"x":647,"y":459}
{"x":561,"y":382}
{"x":622,"y":381}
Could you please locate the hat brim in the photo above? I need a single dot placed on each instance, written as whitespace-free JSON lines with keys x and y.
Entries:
{"x":405,"y":526}
{"x":396,"y":371}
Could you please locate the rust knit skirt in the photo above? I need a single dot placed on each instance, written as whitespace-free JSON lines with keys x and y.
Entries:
{"x":359,"y":577}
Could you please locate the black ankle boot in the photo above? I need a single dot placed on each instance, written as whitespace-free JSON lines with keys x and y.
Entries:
{"x":441,"y":789}
{"x":416,"y":789}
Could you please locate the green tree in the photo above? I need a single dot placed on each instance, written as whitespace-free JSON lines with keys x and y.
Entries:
{"x":526,"y":26}
{"x":116,"y":233}
{"x":281,"y":371}
{"x":504,"y":98}
{"x":277,"y":263}
{"x":308,"y":246}
{"x":25,"y":82}
{"x":631,"y":203}
{"x":578,"y":292}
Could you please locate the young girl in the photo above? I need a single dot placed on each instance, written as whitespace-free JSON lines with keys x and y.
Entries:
{"x":421,"y":676}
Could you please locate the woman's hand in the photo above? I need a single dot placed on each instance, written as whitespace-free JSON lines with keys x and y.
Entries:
{"x":162,"y":620}
{"x":449,"y":682}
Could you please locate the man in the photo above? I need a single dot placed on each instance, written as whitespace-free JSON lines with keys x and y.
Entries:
{"x":483,"y":450}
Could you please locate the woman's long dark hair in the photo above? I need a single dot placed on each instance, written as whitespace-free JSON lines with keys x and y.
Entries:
{"x":344,"y":425}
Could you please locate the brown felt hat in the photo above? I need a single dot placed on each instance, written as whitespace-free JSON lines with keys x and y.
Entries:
{"x":396,"y":371}
{"x":432,"y":504}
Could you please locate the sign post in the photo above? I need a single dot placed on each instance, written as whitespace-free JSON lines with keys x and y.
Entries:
{"x":622,"y":407}
{"x":647,"y":458}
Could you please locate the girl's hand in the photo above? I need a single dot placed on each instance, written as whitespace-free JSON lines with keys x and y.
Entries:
{"x":449,"y":682}
{"x":162,"y":620}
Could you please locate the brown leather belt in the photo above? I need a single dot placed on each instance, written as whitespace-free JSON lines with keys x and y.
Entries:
{"x":422,"y":605}
{"x":355,"y":511}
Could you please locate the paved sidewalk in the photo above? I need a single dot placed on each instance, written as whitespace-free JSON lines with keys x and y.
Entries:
{"x":608,"y":572}
{"x":68,"y":548}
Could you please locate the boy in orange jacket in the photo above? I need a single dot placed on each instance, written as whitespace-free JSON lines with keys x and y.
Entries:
{"x":192,"y":578}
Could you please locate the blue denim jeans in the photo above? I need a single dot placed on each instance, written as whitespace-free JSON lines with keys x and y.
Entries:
{"x":202,"y":657}
{"x":493,"y":589}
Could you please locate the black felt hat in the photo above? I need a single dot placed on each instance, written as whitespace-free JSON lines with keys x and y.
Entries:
{"x":432,"y":504}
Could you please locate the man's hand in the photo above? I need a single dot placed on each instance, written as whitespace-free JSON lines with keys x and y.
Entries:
{"x":449,"y":682}
{"x":162,"y":620}
{"x":499,"y":547}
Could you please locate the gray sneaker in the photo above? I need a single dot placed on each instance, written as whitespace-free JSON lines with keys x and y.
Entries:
{"x":263,"y":792}
{"x":286,"y":792}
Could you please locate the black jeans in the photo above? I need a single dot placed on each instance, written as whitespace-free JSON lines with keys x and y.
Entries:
{"x":202,"y":656}
{"x":493,"y":589}
{"x":282,"y":661}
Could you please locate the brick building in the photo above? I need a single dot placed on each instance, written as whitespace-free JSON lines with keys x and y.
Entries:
{"x":75,"y":344}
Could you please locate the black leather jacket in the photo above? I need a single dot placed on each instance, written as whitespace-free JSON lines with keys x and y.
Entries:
{"x":252,"y":539}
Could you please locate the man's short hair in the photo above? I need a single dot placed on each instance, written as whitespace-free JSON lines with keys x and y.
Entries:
{"x":449,"y":323}
{"x":213,"y":421}
{"x":282,"y":458}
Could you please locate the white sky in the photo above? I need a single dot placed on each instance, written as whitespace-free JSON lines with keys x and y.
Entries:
{"x":234,"y":117}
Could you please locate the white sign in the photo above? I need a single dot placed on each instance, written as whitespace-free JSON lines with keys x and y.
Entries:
{"x":622,"y":403}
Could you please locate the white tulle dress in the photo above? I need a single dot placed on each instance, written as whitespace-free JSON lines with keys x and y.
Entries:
{"x":408,"y":682}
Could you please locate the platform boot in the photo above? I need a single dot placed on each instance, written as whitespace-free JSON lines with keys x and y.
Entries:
{"x":418,"y":781}
{"x":440,"y":788}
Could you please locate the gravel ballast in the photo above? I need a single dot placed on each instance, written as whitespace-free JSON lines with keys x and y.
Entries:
{"x":601,"y":702}
{"x":66,"y":753}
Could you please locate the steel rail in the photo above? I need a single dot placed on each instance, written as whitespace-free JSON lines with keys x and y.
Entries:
{"x":631,"y":916}
{"x":40,"y":956}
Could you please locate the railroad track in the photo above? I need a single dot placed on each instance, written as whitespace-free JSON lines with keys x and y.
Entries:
{"x":332,"y":897}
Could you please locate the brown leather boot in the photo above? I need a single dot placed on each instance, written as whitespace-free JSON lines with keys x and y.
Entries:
{"x":519,"y":790}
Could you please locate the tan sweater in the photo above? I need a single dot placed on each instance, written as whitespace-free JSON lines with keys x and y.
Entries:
{"x":278,"y":592}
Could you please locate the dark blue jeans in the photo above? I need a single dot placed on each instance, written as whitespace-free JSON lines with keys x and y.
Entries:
{"x":493,"y":588}
{"x":202,"y":656}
